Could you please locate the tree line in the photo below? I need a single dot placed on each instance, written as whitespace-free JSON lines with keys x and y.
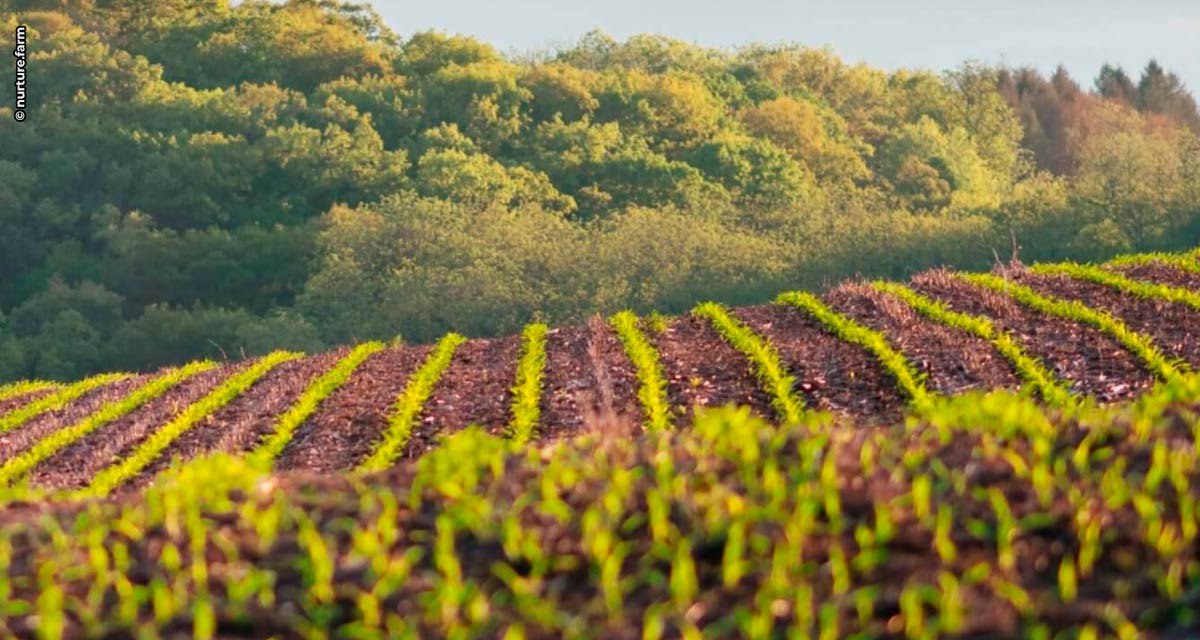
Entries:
{"x":197,"y":179}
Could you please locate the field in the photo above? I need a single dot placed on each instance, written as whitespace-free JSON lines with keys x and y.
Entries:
{"x":996,"y":454}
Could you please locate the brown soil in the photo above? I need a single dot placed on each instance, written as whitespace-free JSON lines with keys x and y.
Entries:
{"x":24,"y":436}
{"x":241,"y":424}
{"x":587,"y":376}
{"x":1163,"y":274}
{"x":1175,"y":328}
{"x":1091,"y":362}
{"x":352,"y":419}
{"x":16,"y":402}
{"x":75,"y":465}
{"x":703,"y":370}
{"x":831,"y":374}
{"x":954,"y":361}
{"x":475,"y":390}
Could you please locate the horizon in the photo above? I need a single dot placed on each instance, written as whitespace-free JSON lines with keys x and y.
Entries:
{"x":879,"y":34}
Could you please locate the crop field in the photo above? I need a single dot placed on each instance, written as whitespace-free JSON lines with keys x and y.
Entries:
{"x":964,"y":454}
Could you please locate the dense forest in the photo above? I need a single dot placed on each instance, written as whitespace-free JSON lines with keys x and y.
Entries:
{"x":196,"y":179}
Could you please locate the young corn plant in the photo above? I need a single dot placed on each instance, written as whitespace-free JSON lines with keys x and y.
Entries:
{"x":1145,"y":290}
{"x":768,"y":366}
{"x":1052,"y":390}
{"x":409,"y":406}
{"x":653,"y":386}
{"x":18,"y":466}
{"x":1141,"y":346}
{"x":118,"y":473}
{"x":309,"y":401}
{"x":57,"y":400}
{"x":908,"y":379}
{"x":527,"y":392}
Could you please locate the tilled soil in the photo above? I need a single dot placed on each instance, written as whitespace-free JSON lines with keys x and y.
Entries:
{"x":24,"y":436}
{"x":831,"y":374}
{"x":954,"y":361}
{"x":703,"y":370}
{"x":1163,"y":274}
{"x":244,"y":422}
{"x":75,"y":465}
{"x":1175,"y":328}
{"x":16,"y":402}
{"x":476,"y":389}
{"x":588,"y":380}
{"x":1090,"y":361}
{"x":352,"y":419}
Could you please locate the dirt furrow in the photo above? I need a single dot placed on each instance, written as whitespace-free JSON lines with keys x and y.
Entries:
{"x":1175,"y":328}
{"x":476,"y":389}
{"x":831,"y":374}
{"x":24,"y":436}
{"x":352,"y":419}
{"x":703,"y":370}
{"x":588,"y":384}
{"x":1162,"y":274}
{"x":16,"y":402}
{"x":954,"y":361}
{"x":1090,"y":361}
{"x":242,"y":423}
{"x":74,"y":466}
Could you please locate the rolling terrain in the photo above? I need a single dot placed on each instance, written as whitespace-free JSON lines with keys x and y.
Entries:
{"x":1021,"y":443}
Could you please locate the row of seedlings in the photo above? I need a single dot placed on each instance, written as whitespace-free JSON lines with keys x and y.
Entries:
{"x":1040,"y":379}
{"x":910,"y":381}
{"x":57,"y":400}
{"x":408,"y":406}
{"x":1187,"y":262}
{"x":116,"y":474}
{"x":24,"y":387}
{"x":652,"y":390}
{"x":527,"y":391}
{"x":1138,"y":344}
{"x":768,"y":366}
{"x":18,"y":466}
{"x":1145,"y":290}
{"x":308,"y":403}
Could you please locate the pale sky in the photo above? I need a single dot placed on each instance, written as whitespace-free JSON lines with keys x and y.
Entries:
{"x":933,"y":34}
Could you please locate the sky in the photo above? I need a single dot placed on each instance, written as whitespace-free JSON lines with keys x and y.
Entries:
{"x":891,"y":34}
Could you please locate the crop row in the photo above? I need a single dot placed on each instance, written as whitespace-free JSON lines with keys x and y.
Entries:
{"x":1032,"y":371}
{"x":1188,"y":262}
{"x":735,"y":528}
{"x":1146,"y":290}
{"x":1140,"y":345}
{"x":763,"y":360}
{"x":23,"y":387}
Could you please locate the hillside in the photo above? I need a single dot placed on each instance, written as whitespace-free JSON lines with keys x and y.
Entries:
{"x":873,"y":352}
{"x":1043,"y":481}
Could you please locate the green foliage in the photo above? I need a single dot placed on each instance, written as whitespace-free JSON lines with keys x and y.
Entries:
{"x":1034,"y":373}
{"x":201,"y":178}
{"x":128,"y":467}
{"x":652,"y":392}
{"x":1150,"y":291}
{"x":19,"y":465}
{"x":57,"y":400}
{"x":768,"y":367}
{"x":909,"y":380}
{"x":320,"y":389}
{"x":1140,"y":345}
{"x":408,"y":406}
{"x":527,"y":392}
